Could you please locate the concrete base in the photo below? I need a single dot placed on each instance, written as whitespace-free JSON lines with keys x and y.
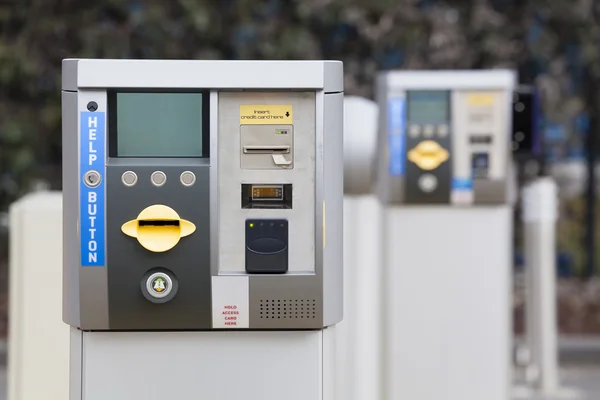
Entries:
{"x":528,"y":393}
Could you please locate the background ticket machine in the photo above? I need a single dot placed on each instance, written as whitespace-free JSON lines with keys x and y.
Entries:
{"x":444,"y":177}
{"x":202,"y":211}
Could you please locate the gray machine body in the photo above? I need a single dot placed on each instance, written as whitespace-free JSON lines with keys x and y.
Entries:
{"x":218,"y":288}
{"x":463,"y":117}
{"x":216,"y":365}
{"x":446,"y":233}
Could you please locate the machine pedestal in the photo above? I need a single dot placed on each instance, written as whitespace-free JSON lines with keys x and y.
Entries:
{"x":447,"y":303}
{"x":226,"y":365}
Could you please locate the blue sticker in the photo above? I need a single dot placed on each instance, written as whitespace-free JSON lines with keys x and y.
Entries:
{"x":462,"y":184}
{"x":92,"y":141}
{"x":396,"y":136}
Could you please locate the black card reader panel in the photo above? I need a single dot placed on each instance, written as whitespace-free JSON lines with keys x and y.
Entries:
{"x":480,"y":164}
{"x":266,"y":246}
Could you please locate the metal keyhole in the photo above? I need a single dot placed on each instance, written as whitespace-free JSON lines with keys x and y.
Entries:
{"x":92,"y":178}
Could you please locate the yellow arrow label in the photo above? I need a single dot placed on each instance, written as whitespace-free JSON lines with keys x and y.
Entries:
{"x":266,"y":114}
{"x":481,"y":99}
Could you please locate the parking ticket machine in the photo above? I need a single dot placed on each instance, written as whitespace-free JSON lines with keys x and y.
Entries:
{"x":446,"y":184}
{"x":447,"y":142}
{"x":202,"y":220}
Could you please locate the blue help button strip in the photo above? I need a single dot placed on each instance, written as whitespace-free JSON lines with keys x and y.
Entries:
{"x":462,"y":184}
{"x":91,"y":199}
{"x":396,"y":136}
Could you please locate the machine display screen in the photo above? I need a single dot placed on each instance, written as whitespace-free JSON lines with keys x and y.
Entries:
{"x":158,"y":124}
{"x":428,"y":106}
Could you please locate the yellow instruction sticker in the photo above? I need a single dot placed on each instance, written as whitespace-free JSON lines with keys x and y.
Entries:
{"x":481,"y":99}
{"x":265,"y":114}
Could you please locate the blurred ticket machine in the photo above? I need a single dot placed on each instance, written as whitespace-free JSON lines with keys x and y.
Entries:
{"x":202,"y":211}
{"x":445,"y":180}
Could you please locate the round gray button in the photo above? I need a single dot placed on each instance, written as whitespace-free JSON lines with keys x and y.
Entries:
{"x":129,"y":178}
{"x":427,"y":183}
{"x":428,"y":131}
{"x":92,"y":178}
{"x":158,"y":178}
{"x":159,"y":285}
{"x":187,"y":178}
{"x":442,"y":130}
{"x":414,"y":131}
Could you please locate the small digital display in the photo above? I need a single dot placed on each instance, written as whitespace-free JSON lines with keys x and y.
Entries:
{"x":428,"y":106}
{"x":158,"y":124}
{"x":266,"y":196}
{"x":267,"y":192}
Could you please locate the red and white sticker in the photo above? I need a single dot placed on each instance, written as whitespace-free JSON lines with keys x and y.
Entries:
{"x":462,"y":197}
{"x":230,"y":295}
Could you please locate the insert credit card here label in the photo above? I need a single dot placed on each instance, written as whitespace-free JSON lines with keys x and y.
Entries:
{"x":92,"y":143}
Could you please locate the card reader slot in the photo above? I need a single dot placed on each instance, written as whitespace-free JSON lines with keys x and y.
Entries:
{"x":480,"y":139}
{"x":266,"y":149}
{"x":158,"y":223}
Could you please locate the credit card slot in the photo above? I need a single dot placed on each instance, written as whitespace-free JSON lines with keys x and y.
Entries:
{"x":266,"y":149}
{"x":158,"y":223}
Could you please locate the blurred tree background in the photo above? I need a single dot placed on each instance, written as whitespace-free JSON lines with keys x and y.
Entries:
{"x":553,"y":44}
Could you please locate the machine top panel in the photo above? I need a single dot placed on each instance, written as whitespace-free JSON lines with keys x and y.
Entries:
{"x":202,"y":74}
{"x":444,"y":80}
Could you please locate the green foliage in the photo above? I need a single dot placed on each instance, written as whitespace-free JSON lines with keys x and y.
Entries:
{"x":570,"y":231}
{"x":367,"y":35}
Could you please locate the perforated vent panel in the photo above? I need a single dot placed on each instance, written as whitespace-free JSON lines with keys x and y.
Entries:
{"x":286,"y":302}
{"x":288,"y":309}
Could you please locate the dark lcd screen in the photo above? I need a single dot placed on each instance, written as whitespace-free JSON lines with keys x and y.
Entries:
{"x":428,"y":106}
{"x":151,"y":124}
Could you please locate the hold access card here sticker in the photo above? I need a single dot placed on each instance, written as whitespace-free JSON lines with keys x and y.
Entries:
{"x":266,"y":114}
{"x":231,"y":297}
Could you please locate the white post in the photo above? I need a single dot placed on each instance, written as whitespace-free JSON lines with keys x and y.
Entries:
{"x":539,"y":214}
{"x":38,"y":352}
{"x":540,"y":208}
{"x":360,"y":357}
{"x":358,"y":353}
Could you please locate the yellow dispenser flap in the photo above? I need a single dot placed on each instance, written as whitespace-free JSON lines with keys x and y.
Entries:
{"x":158,"y":228}
{"x":158,"y":238}
{"x":130,"y":228}
{"x":187,"y":228}
{"x":158,"y":212}
{"x":428,"y":155}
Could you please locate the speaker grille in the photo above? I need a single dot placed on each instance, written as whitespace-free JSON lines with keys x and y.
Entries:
{"x":288,"y":309}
